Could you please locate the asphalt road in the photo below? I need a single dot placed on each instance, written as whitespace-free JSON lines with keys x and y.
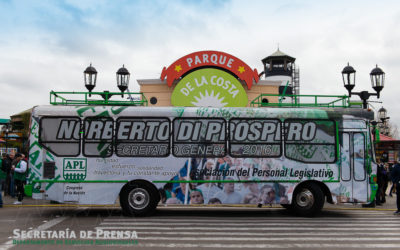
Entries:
{"x":337,"y":227}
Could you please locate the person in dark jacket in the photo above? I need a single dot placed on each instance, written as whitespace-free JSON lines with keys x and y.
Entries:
{"x":396,"y":180}
{"x":6,"y":166}
{"x":380,"y":175}
{"x":393,"y":186}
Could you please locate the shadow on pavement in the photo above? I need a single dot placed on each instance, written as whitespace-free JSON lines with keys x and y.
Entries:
{"x":190,"y":212}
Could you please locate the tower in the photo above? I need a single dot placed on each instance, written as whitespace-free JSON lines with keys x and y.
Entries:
{"x":280,"y":66}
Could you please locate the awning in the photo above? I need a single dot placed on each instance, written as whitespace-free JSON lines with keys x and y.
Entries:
{"x":387,"y":143}
{"x":4,"y":121}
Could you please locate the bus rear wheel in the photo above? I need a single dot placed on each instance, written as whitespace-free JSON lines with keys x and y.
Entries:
{"x":138,"y":199}
{"x":308,"y":200}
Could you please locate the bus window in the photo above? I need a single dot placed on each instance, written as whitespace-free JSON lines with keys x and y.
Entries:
{"x":310,"y":141}
{"x":194,"y":137}
{"x":255,"y":137}
{"x":98,"y":137}
{"x":142,"y":137}
{"x":371,"y":148}
{"x":359,"y":159}
{"x":60,"y":135}
{"x":345,"y":166}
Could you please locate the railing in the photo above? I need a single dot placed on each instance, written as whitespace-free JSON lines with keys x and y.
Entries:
{"x":329,"y":101}
{"x":85,"y":98}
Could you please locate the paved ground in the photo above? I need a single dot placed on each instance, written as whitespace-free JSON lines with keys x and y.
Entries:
{"x":338,"y":227}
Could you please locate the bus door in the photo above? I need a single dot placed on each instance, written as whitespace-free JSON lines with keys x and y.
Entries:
{"x":353,"y":168}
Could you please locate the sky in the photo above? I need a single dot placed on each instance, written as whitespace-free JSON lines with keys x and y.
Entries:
{"x":46,"y":45}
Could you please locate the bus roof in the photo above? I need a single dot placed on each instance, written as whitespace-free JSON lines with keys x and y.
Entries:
{"x":227,"y":113}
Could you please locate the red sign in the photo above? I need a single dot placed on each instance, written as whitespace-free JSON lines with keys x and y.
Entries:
{"x":210,"y":58}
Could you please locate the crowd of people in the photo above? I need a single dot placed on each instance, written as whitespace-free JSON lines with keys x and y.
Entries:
{"x":13,"y":171}
{"x":384,"y":178}
{"x":221,"y":188}
{"x":387,"y":174}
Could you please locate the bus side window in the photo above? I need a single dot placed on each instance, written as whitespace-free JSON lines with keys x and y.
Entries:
{"x":345,"y":155}
{"x":310,"y":140}
{"x":60,"y":135}
{"x":359,"y":157}
{"x":98,"y":137}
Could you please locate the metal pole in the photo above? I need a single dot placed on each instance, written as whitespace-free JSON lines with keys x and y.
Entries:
{"x":365,"y":105}
{"x":189,"y":166}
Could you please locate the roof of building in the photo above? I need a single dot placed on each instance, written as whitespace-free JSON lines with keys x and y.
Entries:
{"x":279,"y":55}
{"x":383,"y":137}
{"x":28,"y":111}
{"x":4,"y":121}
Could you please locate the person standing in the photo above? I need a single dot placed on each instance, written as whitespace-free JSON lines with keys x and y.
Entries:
{"x":396,"y":181}
{"x":20,"y":177}
{"x":13,"y":162}
{"x":6,"y":164}
{"x":390,"y":179}
{"x":380,"y":180}
{"x":3,"y":176}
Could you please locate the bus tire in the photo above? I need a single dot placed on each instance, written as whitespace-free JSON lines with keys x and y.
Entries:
{"x":138,"y":199}
{"x":308,"y":200}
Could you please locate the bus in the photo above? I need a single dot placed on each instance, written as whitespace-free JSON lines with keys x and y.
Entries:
{"x":143,"y":157}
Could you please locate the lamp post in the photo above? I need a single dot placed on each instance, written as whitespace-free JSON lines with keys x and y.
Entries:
{"x":90,"y":76}
{"x":377,"y":81}
{"x":382,"y":116}
{"x":123,"y":79}
{"x":380,"y":122}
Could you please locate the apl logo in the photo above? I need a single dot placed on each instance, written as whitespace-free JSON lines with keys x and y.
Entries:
{"x":74,"y":169}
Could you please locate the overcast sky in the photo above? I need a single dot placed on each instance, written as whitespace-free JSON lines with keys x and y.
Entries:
{"x":45,"y":45}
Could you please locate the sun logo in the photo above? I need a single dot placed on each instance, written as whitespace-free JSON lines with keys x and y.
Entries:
{"x":209,"y":100}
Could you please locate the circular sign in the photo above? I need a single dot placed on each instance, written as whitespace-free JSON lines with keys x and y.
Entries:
{"x":209,"y":87}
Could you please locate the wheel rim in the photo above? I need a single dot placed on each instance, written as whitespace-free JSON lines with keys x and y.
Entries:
{"x":139,"y":198}
{"x":305,"y":198}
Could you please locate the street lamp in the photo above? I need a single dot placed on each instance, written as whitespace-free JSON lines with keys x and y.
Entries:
{"x":382,"y":116}
{"x":90,"y":76}
{"x":377,"y":80}
{"x":123,"y":79}
{"x":349,"y":78}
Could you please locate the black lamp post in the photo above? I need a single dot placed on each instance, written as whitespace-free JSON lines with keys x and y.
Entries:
{"x":381,"y":121}
{"x":123,"y":79}
{"x":90,"y":76}
{"x":377,"y":81}
{"x":382,"y":116}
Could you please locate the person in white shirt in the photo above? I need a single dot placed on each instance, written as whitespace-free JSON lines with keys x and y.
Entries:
{"x":208,"y":189}
{"x":20,"y":176}
{"x":228,"y":195}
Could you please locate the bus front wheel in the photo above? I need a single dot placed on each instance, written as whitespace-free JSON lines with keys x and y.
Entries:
{"x":308,"y":200}
{"x":138,"y":199}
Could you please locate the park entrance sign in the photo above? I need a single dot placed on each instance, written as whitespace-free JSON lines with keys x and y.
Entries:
{"x":209,"y":78}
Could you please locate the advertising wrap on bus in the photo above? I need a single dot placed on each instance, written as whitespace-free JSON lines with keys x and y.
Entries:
{"x":196,"y":155}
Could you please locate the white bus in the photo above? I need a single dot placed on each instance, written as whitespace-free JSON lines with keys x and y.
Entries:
{"x":146,"y":156}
